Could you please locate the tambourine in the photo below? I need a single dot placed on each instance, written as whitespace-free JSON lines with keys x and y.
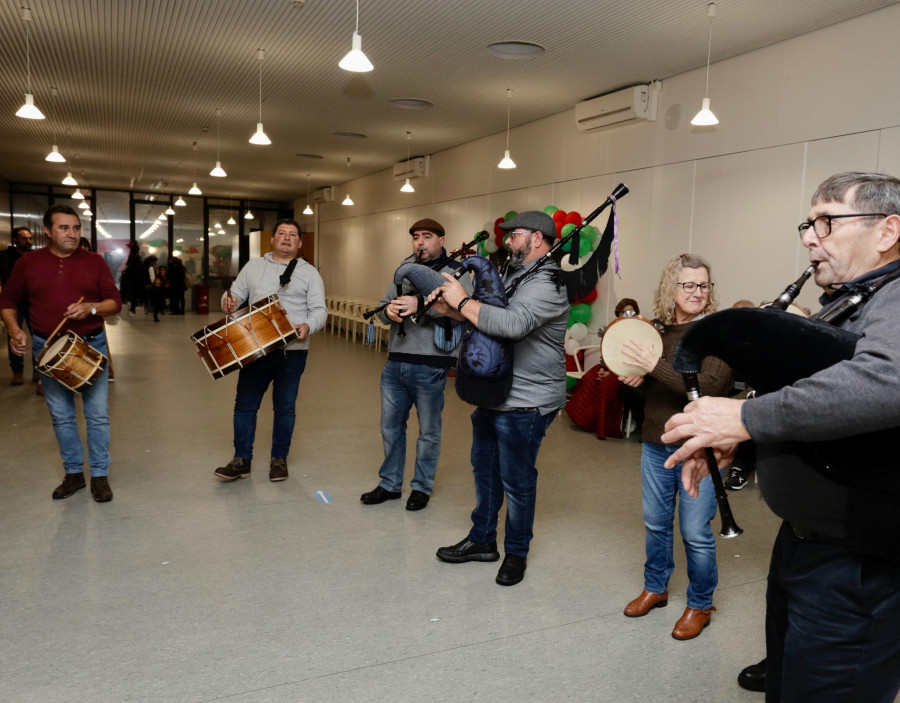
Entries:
{"x":624,"y":329}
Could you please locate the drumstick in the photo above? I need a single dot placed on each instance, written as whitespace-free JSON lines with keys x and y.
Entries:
{"x":62,"y":322}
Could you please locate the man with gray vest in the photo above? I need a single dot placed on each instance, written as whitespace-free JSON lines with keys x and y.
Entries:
{"x":415,"y":374}
{"x":506,"y":438}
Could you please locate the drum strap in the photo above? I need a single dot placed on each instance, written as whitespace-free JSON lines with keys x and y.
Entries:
{"x":285,"y":278}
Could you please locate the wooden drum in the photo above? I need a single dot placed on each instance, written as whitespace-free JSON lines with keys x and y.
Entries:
{"x":67,"y":358}
{"x":244,"y":336}
{"x":621,"y":330}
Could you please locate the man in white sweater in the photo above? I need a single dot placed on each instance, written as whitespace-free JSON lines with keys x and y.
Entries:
{"x":300,"y":289}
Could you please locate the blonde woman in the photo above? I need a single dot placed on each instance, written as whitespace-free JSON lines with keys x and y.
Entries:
{"x":686,"y":293}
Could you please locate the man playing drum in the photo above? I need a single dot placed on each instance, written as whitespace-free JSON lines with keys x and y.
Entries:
{"x":50,"y":281}
{"x":300,"y":289}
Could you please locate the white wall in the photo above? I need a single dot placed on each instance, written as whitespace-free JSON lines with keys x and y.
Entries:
{"x":790,"y":115}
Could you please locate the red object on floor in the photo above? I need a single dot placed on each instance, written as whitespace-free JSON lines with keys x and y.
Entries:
{"x":596,"y":406}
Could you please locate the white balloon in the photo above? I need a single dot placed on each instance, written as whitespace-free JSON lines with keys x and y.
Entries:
{"x":490,"y":246}
{"x":571,"y":346}
{"x":578,"y":331}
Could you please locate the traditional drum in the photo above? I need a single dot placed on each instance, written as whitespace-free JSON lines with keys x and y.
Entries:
{"x":621,"y":330}
{"x":70,"y":360}
{"x":244,"y":336}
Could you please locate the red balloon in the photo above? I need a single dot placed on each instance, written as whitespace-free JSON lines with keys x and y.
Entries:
{"x":497,"y":231}
{"x":589,"y":298}
{"x":559,"y":225}
{"x":560,"y":215}
{"x":499,"y":239}
{"x":573,"y":218}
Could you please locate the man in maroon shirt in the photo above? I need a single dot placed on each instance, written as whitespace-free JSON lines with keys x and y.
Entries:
{"x":63,"y":281}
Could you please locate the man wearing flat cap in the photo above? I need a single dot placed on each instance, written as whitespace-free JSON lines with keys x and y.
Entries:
{"x":506,"y":438}
{"x":415,"y":374}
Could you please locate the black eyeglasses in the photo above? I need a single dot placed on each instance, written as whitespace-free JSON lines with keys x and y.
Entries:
{"x":821,"y":226}
{"x":690,"y":287}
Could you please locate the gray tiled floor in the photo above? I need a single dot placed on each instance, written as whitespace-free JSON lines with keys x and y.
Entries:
{"x":185,"y":589}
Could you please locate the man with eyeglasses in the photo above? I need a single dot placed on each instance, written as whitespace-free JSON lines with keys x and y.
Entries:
{"x":506,"y":438}
{"x":833,"y":598}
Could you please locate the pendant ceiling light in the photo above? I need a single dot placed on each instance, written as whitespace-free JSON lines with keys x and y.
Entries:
{"x":407,"y":187}
{"x":195,"y":190}
{"x":347,"y":200}
{"x":68,"y":180}
{"x":705,"y":117}
{"x":356,"y":60}
{"x":55,"y":156}
{"x":307,"y":210}
{"x":180,"y":202}
{"x":88,"y":213}
{"x":170,"y":211}
{"x":506,"y":161}
{"x":29,"y":111}
{"x":259,"y":137}
{"x":248,"y":215}
{"x":83,"y":205}
{"x":78,"y":195}
{"x":218,"y":171}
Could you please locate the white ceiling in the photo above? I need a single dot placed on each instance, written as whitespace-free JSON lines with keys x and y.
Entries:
{"x":139,"y":81}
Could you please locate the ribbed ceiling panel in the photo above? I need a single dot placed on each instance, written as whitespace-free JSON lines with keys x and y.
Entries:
{"x":139,"y":81}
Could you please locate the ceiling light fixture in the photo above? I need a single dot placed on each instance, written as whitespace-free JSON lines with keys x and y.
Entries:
{"x":78,"y":195}
{"x":83,"y":205}
{"x":169,"y":210}
{"x":347,"y":200}
{"x":55,"y":156}
{"x":68,"y":180}
{"x":259,"y":136}
{"x":218,"y":171}
{"x":180,"y":202}
{"x":407,"y":187}
{"x":307,"y":210}
{"x":356,"y":60}
{"x":705,"y":117}
{"x":248,"y":215}
{"x":88,"y":213}
{"x":28,"y":110}
{"x":195,"y":190}
{"x":506,"y":161}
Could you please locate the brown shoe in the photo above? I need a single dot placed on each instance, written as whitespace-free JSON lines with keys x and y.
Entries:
{"x":691,"y":623}
{"x":71,"y":483}
{"x":234,"y":469}
{"x":646,"y":602}
{"x":100,"y":489}
{"x":39,"y":389}
{"x":278,"y":469}
{"x":17,"y":380}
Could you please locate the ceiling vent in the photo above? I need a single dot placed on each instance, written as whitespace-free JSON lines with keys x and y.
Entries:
{"x":416,"y":167}
{"x":324,"y":195}
{"x":635,"y":104}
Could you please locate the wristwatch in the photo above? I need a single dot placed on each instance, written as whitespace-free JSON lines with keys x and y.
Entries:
{"x":93,"y":309}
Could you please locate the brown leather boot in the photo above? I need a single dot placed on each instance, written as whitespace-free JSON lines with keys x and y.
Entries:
{"x":691,"y":623}
{"x":100,"y":489}
{"x":70,"y":485}
{"x":646,"y":602}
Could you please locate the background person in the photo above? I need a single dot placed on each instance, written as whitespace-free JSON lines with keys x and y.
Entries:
{"x":685,"y":293}
{"x":22,"y":241}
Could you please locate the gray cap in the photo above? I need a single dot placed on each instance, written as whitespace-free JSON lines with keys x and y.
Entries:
{"x":534,"y":220}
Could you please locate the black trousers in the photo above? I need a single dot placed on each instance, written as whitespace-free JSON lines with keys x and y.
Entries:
{"x":832,"y":624}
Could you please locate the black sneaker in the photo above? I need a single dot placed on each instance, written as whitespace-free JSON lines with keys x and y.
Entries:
{"x":468,"y":551}
{"x":234,"y":469}
{"x":737,"y":479}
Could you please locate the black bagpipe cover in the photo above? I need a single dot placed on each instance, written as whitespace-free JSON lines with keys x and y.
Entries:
{"x":771,"y":349}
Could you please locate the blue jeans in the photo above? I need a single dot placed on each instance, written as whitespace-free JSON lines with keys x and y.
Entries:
{"x":402,"y":386}
{"x":659,"y":488}
{"x":283,"y":370}
{"x":61,"y":403}
{"x":504,"y":456}
{"x":832,"y":624}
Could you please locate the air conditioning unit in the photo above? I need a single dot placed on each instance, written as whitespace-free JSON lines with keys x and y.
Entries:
{"x":416,"y":167}
{"x":627,"y":106}
{"x":324,"y":195}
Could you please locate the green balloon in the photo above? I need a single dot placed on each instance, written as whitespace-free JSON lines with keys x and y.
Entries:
{"x":589,"y":232}
{"x":581,"y":313}
{"x":566,"y":230}
{"x":584,"y":247}
{"x":511,"y":214}
{"x":550,"y":209}
{"x":571,"y":382}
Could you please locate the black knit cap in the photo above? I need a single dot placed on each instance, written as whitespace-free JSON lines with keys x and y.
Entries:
{"x":533,"y":220}
{"x":430,"y":225}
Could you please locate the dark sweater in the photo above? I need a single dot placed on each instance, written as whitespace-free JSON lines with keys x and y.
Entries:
{"x":666,"y":394}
